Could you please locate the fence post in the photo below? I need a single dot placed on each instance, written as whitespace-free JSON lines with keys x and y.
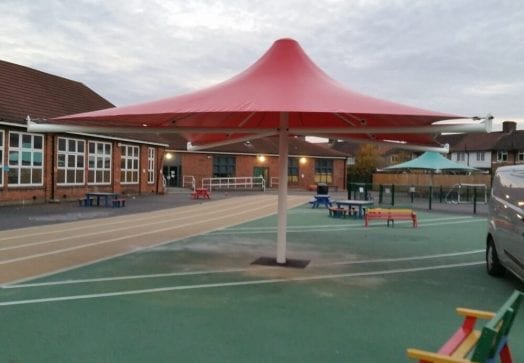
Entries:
{"x":474,"y":200}
{"x":392,"y":194}
{"x":430,"y":195}
{"x":380,"y":192}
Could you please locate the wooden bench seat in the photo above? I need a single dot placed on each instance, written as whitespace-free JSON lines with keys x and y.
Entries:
{"x":468,"y":344}
{"x":390,"y":215}
{"x":117,"y":203}
{"x":337,"y":212}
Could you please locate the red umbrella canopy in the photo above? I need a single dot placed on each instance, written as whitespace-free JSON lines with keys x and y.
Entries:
{"x":283,"y":80}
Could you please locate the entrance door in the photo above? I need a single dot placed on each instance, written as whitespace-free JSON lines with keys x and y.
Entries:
{"x":171,"y":175}
{"x":261,"y":172}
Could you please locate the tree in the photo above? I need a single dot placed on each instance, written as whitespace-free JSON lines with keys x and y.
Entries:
{"x":366,"y":162}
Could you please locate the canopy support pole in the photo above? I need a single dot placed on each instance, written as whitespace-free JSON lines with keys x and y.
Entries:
{"x":282,"y":187}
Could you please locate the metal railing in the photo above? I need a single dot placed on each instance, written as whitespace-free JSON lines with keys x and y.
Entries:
{"x":188,"y":181}
{"x":273,"y":181}
{"x":237,"y":183}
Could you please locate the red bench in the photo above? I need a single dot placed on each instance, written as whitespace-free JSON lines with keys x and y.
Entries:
{"x":390,"y":215}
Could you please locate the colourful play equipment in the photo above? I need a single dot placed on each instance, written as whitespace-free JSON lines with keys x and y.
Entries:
{"x":468,"y":345}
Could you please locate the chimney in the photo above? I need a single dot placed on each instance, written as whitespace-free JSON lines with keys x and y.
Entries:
{"x":509,"y":127}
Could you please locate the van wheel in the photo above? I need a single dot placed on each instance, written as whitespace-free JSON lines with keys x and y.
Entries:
{"x":493,"y":265}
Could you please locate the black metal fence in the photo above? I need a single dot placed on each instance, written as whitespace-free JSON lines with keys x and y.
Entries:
{"x":470,"y":197}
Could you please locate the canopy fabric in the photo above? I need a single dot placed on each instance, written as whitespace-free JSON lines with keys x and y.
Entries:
{"x":284,"y":79}
{"x":431,"y":161}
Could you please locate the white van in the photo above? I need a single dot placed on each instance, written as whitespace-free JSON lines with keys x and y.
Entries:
{"x":505,"y":240}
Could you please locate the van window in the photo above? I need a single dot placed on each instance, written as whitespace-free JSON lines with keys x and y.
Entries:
{"x":510,"y":187}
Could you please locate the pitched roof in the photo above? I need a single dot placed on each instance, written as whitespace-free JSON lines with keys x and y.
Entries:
{"x":26,"y":91}
{"x":511,"y":141}
{"x":477,"y":142}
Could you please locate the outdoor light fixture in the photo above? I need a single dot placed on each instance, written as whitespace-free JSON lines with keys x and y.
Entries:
{"x":169,"y":156}
{"x":302,"y":160}
{"x":261,"y":158}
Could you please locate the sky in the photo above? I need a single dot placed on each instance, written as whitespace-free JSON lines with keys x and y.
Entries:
{"x":463,"y":57}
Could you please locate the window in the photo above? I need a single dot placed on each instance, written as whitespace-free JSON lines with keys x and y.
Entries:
{"x":324,"y":171}
{"x":99,"y":163}
{"x":520,"y":156}
{"x":129,"y":160}
{"x":502,"y":156}
{"x":1,"y":158}
{"x":292,"y":171}
{"x":480,"y":156}
{"x":461,"y":156}
{"x":224,"y":166}
{"x":70,"y":161}
{"x":150,"y":165}
{"x":26,"y":159}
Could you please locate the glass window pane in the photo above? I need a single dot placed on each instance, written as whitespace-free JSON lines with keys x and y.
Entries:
{"x":38,"y":141}
{"x":26,"y":141}
{"x":61,"y":160}
{"x":12,"y":175}
{"x":25,"y":176}
{"x":61,"y":144}
{"x":80,"y":161}
{"x":91,"y":147}
{"x":80,"y":146}
{"x":37,"y":159}
{"x":61,"y":176}
{"x":72,"y":146}
{"x":70,"y":176}
{"x":37,"y":176}
{"x":107,"y":176}
{"x":26,"y":158}
{"x":91,"y":176}
{"x":13,"y":157}
{"x":80,"y":176}
{"x":13,"y":139}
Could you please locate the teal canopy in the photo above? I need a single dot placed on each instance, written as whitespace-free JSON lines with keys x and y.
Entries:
{"x":431,"y":161}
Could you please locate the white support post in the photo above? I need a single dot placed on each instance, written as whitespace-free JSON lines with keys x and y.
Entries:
{"x":282,"y":188}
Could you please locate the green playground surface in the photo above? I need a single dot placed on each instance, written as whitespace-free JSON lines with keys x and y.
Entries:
{"x":366,"y":295}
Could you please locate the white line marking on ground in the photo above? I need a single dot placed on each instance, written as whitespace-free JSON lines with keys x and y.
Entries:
{"x":331,"y":227}
{"x":209,"y":272}
{"x":238,"y":283}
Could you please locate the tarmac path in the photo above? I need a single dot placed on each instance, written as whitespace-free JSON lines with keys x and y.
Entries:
{"x":31,"y":252}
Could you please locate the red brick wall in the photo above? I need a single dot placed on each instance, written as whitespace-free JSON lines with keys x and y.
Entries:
{"x":201,"y":166}
{"x":50,"y":191}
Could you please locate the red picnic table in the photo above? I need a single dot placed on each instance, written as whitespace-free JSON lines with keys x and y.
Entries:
{"x":200,"y":193}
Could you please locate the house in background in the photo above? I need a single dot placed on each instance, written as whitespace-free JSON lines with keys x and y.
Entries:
{"x":488,"y":151}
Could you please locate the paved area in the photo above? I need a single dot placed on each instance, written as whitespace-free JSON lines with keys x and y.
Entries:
{"x":18,"y":216}
{"x":367,"y":294}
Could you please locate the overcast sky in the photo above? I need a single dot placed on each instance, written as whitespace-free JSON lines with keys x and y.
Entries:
{"x":456,"y":56}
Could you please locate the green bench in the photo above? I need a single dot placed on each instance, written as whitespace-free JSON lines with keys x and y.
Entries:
{"x":468,"y":344}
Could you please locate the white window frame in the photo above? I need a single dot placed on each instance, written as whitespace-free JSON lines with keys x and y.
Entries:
{"x":31,"y":168}
{"x":129,"y":164}
{"x":461,"y":156}
{"x":72,"y":164}
{"x":480,"y":155}
{"x":502,"y":156}
{"x":2,"y":150}
{"x":99,"y":163}
{"x":151,"y":158}
{"x":520,"y":155}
